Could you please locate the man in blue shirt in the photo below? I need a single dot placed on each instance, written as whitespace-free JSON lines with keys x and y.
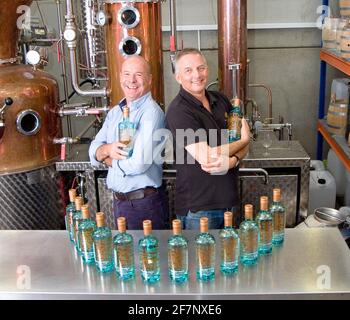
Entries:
{"x":136,"y":181}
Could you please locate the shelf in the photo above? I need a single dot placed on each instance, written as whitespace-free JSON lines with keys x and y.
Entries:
{"x":335,"y":61}
{"x":344,"y":158}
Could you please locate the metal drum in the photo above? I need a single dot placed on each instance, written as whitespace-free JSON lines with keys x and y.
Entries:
{"x":29,"y":122}
{"x":134,"y":28}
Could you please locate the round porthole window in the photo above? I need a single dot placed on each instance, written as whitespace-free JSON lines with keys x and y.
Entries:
{"x":28,"y":122}
{"x":128,"y":17}
{"x":130,"y":46}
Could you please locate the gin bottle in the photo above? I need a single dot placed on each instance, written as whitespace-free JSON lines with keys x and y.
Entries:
{"x":76,"y":219}
{"x":177,"y":254}
{"x":249,"y":238}
{"x":149,"y":255}
{"x":205,"y":252}
{"x":265,"y":223}
{"x":123,"y":244}
{"x":103,"y":246}
{"x":85,"y":231}
{"x":70,"y":211}
{"x":234,"y":122}
{"x":229,"y":241}
{"x":278,"y":213}
{"x":126,"y":131}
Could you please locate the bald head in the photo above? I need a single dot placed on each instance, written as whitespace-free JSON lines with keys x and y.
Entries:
{"x":135,"y":77}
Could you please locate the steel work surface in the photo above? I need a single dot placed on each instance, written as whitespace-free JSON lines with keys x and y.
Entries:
{"x":312,"y":263}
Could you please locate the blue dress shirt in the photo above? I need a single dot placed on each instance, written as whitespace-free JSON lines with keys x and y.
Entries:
{"x":144,"y":167}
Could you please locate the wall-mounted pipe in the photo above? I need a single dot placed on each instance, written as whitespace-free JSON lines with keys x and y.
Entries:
{"x":173,"y":38}
{"x":269,"y":97}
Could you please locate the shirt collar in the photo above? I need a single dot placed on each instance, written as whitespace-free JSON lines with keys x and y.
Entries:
{"x":185,"y":94}
{"x":136,"y":103}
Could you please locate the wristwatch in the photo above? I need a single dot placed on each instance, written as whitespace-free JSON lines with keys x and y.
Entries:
{"x":237,"y":157}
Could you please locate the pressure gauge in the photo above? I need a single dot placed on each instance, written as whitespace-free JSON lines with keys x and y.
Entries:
{"x":101,"y":18}
{"x":69,"y":35}
{"x":33,"y":57}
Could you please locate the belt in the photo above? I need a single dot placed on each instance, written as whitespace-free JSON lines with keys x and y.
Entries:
{"x":135,"y":195}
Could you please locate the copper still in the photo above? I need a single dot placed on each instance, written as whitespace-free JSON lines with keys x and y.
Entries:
{"x":30,"y":122}
{"x":134,"y":27}
{"x":232,"y":38}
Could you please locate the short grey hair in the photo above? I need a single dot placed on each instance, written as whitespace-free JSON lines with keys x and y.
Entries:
{"x":185,"y":52}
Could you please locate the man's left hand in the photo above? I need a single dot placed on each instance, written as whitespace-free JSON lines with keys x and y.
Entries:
{"x":220,"y":165}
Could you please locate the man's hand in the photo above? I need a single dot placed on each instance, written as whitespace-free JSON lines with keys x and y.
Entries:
{"x":112,"y":150}
{"x":245,"y":131}
{"x":220,"y":165}
{"x":108,"y":161}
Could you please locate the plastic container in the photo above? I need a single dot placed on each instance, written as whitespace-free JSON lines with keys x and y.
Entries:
{"x":336,"y":167}
{"x":322,"y":190}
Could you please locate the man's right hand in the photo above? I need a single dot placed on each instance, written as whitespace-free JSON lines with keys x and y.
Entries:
{"x":113,"y":150}
{"x":245,"y":131}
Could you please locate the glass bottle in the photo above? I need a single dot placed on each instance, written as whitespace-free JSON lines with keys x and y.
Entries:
{"x":123,"y":244}
{"x":85,"y":231}
{"x":149,"y":255}
{"x":265,"y":223}
{"x":126,"y":131}
{"x":103,"y":248}
{"x":229,"y":241}
{"x":234,"y":122}
{"x":249,"y":237}
{"x":178,"y":254}
{"x":70,"y":211}
{"x":76,"y":219}
{"x":205,"y":252}
{"x":278,"y":213}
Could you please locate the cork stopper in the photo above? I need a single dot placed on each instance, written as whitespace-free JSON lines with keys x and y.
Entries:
{"x":177,"y":227}
{"x":276,"y":195}
{"x":100,"y":219}
{"x":147,"y":227}
{"x":264,"y":203}
{"x":228,"y":215}
{"x":248,"y":211}
{"x":85,"y":211}
{"x":121,"y":222}
{"x":72,"y":195}
{"x":126,"y":112}
{"x":236,"y":102}
{"x":203,"y":224}
{"x":78,"y":203}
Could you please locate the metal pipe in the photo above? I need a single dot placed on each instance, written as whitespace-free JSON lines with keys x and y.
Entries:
{"x":173,"y":39}
{"x":258,"y":171}
{"x":72,"y":47}
{"x":269,"y":96}
{"x":81,"y":112}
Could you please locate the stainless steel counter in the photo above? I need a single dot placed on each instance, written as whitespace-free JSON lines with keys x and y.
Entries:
{"x":43,"y":265}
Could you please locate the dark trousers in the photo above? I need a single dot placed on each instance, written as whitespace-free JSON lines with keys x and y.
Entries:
{"x":153,"y":207}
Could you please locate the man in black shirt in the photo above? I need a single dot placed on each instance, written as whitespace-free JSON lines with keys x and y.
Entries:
{"x":207,"y":165}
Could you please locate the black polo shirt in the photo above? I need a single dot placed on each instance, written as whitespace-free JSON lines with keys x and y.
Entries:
{"x":196,"y":189}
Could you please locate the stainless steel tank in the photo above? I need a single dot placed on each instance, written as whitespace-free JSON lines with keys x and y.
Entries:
{"x":28,"y":127}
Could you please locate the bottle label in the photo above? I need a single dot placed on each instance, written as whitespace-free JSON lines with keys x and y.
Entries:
{"x":103,"y":250}
{"x":85,"y":240}
{"x":279,"y":221}
{"x":124,"y":254}
{"x":234,"y":125}
{"x":228,"y":249}
{"x":149,"y":260}
{"x":265,"y":231}
{"x":176,"y":259}
{"x":205,"y":256}
{"x":249,"y":241}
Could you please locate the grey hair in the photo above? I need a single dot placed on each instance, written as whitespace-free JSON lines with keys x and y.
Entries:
{"x":185,"y":52}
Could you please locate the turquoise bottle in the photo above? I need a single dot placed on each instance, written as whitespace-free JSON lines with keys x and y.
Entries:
{"x":278,"y":213}
{"x":70,"y":211}
{"x":234,"y":121}
{"x":177,"y":254}
{"x":265,"y":223}
{"x":249,"y":238}
{"x":126,"y":131}
{"x":149,"y":255}
{"x":123,"y":244}
{"x":103,"y":245}
{"x":85,"y":231}
{"x":205,"y":253}
{"x":76,"y":219}
{"x":229,"y":245}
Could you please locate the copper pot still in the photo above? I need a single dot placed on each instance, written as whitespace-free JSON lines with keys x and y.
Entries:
{"x":134,"y":28}
{"x":232,"y":39}
{"x":30,"y":123}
